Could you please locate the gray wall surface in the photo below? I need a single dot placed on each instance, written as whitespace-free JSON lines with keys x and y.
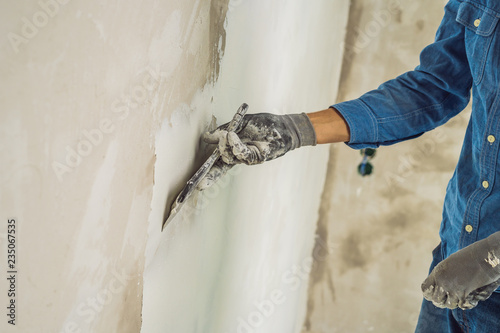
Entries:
{"x":375,"y":234}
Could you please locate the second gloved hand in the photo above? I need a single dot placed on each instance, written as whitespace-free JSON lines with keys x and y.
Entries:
{"x":466,"y":277}
{"x":260,"y":137}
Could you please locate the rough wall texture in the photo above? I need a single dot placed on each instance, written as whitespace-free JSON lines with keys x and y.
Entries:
{"x":102,"y":104}
{"x":85,"y":87}
{"x":375,"y":234}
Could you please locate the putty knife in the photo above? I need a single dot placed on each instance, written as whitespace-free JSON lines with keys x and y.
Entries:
{"x":190,"y":187}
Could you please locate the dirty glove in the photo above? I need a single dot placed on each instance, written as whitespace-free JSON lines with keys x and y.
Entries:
{"x":466,"y":277}
{"x":260,"y":137}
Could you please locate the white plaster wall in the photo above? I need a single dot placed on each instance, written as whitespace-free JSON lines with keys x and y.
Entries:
{"x":102,"y":104}
{"x":240,"y":262}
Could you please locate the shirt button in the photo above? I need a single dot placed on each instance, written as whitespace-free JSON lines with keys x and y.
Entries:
{"x":477,"y":22}
{"x":468,"y":228}
{"x":491,"y":139}
{"x":486,"y":184}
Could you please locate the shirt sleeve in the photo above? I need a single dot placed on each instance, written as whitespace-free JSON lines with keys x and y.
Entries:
{"x":417,"y":101}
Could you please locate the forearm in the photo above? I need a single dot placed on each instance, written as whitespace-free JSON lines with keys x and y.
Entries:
{"x":329,"y":126}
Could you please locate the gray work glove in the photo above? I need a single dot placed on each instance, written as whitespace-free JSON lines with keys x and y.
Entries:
{"x":466,"y":277}
{"x":260,"y":137}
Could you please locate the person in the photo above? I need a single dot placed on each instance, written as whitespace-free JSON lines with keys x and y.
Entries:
{"x":463,"y":60}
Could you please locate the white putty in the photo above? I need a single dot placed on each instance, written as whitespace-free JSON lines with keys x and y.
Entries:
{"x":211,"y":271}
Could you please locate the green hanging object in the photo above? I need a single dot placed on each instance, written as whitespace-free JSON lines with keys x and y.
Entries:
{"x":365,"y":168}
{"x":370,"y":152}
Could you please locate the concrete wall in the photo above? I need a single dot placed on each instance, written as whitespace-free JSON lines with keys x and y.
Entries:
{"x":376,"y":234}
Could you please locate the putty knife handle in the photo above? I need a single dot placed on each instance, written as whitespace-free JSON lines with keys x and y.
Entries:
{"x":238,"y":118}
{"x":201,"y":173}
{"x":203,"y":170}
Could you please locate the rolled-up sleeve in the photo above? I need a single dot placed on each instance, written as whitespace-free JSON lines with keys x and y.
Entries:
{"x":417,"y":101}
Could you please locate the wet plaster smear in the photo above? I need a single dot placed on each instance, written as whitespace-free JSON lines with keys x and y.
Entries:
{"x":102,"y":105}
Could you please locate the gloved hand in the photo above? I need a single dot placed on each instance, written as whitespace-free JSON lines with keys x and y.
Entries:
{"x":260,"y":137}
{"x":466,"y":277}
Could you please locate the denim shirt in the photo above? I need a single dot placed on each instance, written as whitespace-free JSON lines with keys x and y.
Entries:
{"x":464,"y":59}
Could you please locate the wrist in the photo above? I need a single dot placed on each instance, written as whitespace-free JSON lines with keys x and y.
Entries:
{"x":301,"y":130}
{"x":329,"y":126}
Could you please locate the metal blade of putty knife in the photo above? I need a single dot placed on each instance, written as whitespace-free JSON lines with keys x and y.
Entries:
{"x":190,"y":186}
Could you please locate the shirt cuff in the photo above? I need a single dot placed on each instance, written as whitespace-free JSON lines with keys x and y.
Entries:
{"x":362,"y":124}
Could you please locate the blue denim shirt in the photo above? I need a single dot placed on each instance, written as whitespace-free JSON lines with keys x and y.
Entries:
{"x":464,"y":58}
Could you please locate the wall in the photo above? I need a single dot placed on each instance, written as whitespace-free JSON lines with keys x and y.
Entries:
{"x":237,"y":258}
{"x":85,"y":88}
{"x":376,"y":234}
{"x":102,"y":106}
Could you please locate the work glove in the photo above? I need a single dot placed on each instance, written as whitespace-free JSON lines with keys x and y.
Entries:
{"x":466,"y":277}
{"x":260,"y":137}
